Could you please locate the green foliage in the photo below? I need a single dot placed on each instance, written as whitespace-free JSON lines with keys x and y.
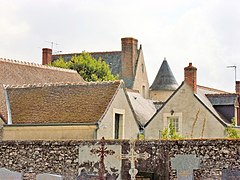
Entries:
{"x":89,"y":68}
{"x":231,"y":132}
{"x":170,"y":133}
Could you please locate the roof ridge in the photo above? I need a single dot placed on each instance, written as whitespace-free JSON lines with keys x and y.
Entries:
{"x":60,"y":84}
{"x":31,"y":64}
{"x":102,"y":52}
{"x":212,"y":89}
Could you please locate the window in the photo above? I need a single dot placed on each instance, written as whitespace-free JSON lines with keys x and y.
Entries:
{"x":174,"y":121}
{"x":176,"y":118}
{"x":118,"y":126}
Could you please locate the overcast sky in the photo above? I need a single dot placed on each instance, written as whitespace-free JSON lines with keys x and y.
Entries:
{"x":204,"y":32}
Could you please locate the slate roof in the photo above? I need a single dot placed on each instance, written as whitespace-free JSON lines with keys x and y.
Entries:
{"x":14,"y":72}
{"x":61,"y":103}
{"x":112,"y":58}
{"x":165,"y":79}
{"x":222,"y":99}
{"x":143,"y":108}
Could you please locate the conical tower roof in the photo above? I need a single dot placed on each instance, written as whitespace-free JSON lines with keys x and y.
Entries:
{"x":164,"y":79}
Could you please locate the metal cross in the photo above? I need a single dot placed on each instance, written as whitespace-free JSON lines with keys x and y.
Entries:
{"x":132,"y":156}
{"x":102,"y":152}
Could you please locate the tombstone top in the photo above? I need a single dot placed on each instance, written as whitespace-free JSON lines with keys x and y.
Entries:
{"x":46,"y":176}
{"x":230,"y":174}
{"x":7,"y":174}
{"x":185,"y":162}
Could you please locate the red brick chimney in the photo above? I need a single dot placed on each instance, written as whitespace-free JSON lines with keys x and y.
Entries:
{"x":238,"y":87}
{"x":190,"y":77}
{"x":46,"y":56}
{"x":129,"y":58}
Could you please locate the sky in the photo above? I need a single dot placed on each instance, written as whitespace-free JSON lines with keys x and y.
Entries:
{"x":204,"y":32}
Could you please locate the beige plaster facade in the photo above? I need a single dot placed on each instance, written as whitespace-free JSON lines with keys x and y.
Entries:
{"x":160,"y":95}
{"x":195,"y":120}
{"x":50,"y":132}
{"x":141,"y":79}
{"x":129,"y":126}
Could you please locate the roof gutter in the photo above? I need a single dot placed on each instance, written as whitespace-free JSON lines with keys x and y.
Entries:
{"x":51,"y":124}
{"x":8,"y":107}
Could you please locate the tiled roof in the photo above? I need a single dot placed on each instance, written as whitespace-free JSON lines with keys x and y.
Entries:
{"x":165,"y":79}
{"x":18,"y":73}
{"x":208,"y":90}
{"x":143,"y":108}
{"x":60,"y":103}
{"x":112,"y":58}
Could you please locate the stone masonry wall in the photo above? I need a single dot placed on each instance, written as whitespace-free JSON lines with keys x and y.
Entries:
{"x":61,"y":157}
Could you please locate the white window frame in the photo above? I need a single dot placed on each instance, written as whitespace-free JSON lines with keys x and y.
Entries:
{"x":172,"y":115}
{"x":121,"y":112}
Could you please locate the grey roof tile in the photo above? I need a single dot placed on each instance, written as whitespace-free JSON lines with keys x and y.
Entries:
{"x":165,"y":79}
{"x":112,"y":58}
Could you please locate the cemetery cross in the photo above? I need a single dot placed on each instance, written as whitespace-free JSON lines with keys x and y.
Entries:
{"x":102,"y":152}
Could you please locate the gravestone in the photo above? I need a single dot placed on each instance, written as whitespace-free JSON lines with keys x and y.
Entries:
{"x":46,"y":176}
{"x":185,"y":164}
{"x":87,"y":177}
{"x":99,"y":161}
{"x":230,"y":174}
{"x":133,"y":156}
{"x":10,"y":175}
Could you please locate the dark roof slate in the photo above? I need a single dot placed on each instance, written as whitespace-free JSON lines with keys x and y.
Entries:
{"x":165,"y":79}
{"x":61,"y":103}
{"x":112,"y":58}
{"x":222,"y":99}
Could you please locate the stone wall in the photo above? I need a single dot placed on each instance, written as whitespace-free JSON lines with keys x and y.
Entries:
{"x":61,"y":157}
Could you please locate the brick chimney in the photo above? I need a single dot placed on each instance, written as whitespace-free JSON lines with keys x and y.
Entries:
{"x":129,"y":58}
{"x":46,"y":56}
{"x":238,"y":87}
{"x":190,"y":77}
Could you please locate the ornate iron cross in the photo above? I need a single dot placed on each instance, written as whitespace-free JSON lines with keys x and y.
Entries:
{"x":133,"y":157}
{"x":102,"y":152}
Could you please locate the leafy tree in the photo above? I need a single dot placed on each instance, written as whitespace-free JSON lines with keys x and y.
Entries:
{"x":89,"y":68}
{"x":170,"y":133}
{"x":231,"y":132}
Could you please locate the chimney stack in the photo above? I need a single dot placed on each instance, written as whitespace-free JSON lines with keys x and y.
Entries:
{"x":238,"y":87}
{"x":129,"y":58}
{"x":190,"y":77}
{"x":46,"y":56}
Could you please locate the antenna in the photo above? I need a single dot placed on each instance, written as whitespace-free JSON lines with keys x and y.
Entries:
{"x":235,"y":69}
{"x":52,"y":43}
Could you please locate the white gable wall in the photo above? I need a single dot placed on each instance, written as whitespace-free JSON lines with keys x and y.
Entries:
{"x":119,"y":105}
{"x":194,"y":118}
